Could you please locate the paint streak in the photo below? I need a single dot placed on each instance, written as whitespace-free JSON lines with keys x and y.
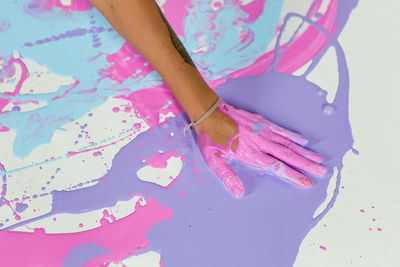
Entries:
{"x":122,"y":238}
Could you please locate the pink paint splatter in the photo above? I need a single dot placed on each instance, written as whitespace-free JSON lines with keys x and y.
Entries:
{"x":159,"y":160}
{"x":97,"y":153}
{"x":322,"y":247}
{"x":126,"y":63}
{"x":76,"y":5}
{"x":122,"y":238}
{"x":149,"y":103}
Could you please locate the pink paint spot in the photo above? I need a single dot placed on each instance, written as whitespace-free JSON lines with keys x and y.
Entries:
{"x":80,"y":225}
{"x":97,"y":153}
{"x":159,"y":160}
{"x":362,"y":211}
{"x":322,"y":247}
{"x":3,"y":128}
{"x":76,"y":5}
{"x":182,"y":194}
{"x":254,"y":9}
{"x":373,"y":219}
{"x":217,"y":4}
{"x":3,"y":102}
{"x":379,"y":229}
{"x":115,"y":110}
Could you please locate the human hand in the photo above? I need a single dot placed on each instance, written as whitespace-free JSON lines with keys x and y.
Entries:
{"x":230,"y":132}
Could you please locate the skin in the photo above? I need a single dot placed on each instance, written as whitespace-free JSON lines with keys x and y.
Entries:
{"x":228,"y":132}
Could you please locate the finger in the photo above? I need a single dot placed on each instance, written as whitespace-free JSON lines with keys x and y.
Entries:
{"x":295,"y":147}
{"x":278,"y":168}
{"x":295,"y":137}
{"x":282,"y":170}
{"x":222,"y":169}
{"x":292,"y":158}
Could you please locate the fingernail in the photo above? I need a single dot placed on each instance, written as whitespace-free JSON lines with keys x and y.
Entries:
{"x":306,"y":182}
{"x":237,"y":191}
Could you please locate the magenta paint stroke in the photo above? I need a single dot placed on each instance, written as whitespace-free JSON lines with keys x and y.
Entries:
{"x":118,"y":237}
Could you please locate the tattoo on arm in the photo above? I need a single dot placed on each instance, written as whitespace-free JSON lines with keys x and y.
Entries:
{"x":175,"y":41}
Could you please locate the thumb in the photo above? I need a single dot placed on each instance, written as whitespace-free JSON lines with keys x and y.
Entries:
{"x":222,"y":169}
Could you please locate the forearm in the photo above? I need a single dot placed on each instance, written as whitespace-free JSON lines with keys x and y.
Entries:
{"x":143,"y":25}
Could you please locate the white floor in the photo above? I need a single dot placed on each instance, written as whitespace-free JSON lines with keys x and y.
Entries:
{"x":371,"y":180}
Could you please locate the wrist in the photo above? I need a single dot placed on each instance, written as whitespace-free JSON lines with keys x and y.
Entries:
{"x":204,"y":116}
{"x":196,"y":110}
{"x":213,"y":120}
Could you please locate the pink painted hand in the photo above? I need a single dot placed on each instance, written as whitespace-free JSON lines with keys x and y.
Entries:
{"x":230,"y":132}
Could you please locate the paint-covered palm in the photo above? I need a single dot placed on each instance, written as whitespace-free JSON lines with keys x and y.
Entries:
{"x":234,"y":133}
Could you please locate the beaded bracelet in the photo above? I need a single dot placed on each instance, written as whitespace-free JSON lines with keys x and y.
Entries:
{"x":202,"y":118}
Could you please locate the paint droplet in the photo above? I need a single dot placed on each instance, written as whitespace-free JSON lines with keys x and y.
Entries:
{"x":362,"y":210}
{"x":16,"y":108}
{"x":379,"y":229}
{"x":80,"y":225}
{"x":322,"y":247}
{"x":96,"y":154}
{"x":116,"y":109}
{"x":328,"y":109}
